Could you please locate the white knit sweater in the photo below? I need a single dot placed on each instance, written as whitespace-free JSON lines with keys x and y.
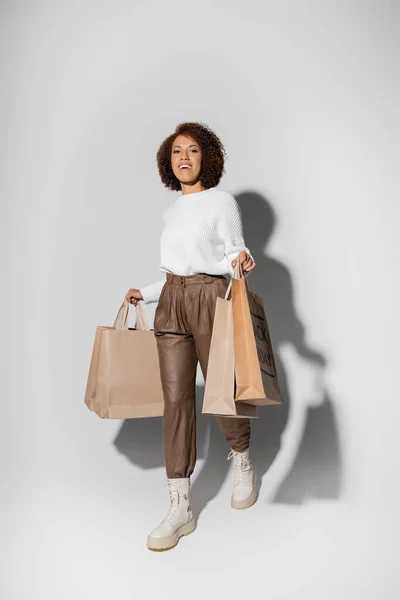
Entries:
{"x":203,"y":233}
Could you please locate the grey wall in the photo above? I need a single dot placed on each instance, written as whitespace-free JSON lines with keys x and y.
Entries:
{"x":305,"y":97}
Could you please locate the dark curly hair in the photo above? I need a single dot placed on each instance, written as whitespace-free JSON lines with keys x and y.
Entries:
{"x":213,"y":155}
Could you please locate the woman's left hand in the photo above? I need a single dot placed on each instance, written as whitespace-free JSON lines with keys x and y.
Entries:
{"x":246,"y":261}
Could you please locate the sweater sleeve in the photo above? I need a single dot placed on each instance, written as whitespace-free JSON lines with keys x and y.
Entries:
{"x":151,"y":293}
{"x":231,"y":231}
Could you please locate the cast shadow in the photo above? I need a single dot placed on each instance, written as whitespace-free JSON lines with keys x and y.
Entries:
{"x":314,"y":469}
{"x":309,"y":464}
{"x":140,"y":440}
{"x":306,"y":461}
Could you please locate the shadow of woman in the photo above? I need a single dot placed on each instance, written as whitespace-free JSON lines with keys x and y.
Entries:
{"x":140,"y":440}
{"x":294,"y":446}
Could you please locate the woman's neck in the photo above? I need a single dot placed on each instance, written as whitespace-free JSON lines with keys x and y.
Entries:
{"x":192,"y":189}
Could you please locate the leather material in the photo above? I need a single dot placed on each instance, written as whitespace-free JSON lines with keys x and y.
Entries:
{"x":183,"y":325}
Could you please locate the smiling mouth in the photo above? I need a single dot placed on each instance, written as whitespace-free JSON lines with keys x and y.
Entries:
{"x":185,"y":167}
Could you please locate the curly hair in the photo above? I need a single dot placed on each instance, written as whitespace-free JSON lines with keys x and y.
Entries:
{"x":213,"y":155}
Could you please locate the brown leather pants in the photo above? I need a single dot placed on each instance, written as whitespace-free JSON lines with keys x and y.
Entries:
{"x":183,"y":325}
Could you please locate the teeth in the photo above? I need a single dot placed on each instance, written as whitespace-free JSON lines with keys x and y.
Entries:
{"x":185,"y":167}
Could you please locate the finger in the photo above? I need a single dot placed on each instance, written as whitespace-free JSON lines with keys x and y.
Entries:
{"x":251,"y":266}
{"x":247,"y":264}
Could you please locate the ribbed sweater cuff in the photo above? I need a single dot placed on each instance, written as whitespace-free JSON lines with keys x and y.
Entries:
{"x":151,"y":293}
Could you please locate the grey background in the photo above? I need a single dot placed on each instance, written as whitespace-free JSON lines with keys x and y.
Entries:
{"x":305,"y":97}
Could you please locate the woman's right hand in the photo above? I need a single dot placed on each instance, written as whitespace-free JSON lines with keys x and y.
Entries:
{"x":133,"y":296}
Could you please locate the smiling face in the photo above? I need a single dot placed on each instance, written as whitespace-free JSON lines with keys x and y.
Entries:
{"x":186,"y":159}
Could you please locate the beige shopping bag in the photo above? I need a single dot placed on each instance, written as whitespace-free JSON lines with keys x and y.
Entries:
{"x":219,"y":392}
{"x":256,"y":376}
{"x":124,"y":375}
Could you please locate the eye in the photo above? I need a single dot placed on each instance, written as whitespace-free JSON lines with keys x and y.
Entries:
{"x":175,"y":151}
{"x":194,"y":150}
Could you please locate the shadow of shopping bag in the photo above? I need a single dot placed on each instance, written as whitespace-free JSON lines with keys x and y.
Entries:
{"x":219,"y":391}
{"x":256,"y":376}
{"x":124,"y":375}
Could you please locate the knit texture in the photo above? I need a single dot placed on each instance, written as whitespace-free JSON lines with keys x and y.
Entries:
{"x":203,"y":233}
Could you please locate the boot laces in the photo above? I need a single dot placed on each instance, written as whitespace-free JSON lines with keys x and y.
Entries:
{"x":175,"y":493}
{"x":242,"y":466}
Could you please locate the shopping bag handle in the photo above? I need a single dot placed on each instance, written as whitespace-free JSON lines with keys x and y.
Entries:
{"x":122,"y":318}
{"x":237,"y":274}
{"x":237,"y":270}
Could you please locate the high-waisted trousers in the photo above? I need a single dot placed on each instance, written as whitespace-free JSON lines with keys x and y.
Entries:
{"x":183,"y":323}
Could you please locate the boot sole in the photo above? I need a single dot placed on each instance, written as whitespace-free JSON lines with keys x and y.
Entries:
{"x":168,"y":542}
{"x":242,"y":504}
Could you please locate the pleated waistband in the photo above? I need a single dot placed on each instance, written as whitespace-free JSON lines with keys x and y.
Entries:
{"x":183,"y":280}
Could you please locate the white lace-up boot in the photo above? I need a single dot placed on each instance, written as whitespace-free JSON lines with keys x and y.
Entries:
{"x":179,"y":520}
{"x":244,"y":491}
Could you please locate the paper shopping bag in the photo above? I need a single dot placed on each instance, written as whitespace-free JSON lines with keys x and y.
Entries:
{"x":124,"y":375}
{"x":219,"y":392}
{"x":256,"y":376}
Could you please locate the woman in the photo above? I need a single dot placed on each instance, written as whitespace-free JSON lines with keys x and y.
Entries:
{"x":201,"y":241}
